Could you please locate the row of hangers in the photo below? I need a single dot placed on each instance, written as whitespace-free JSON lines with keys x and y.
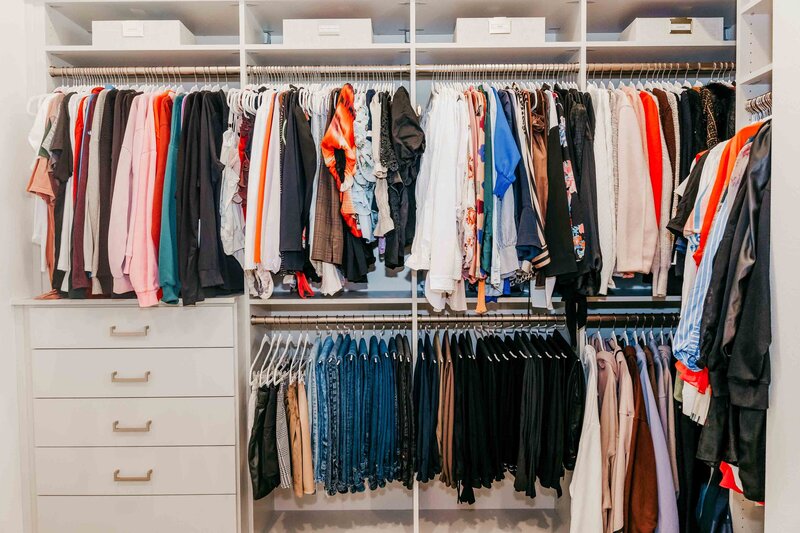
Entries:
{"x":722,"y":72}
{"x":635,"y":322}
{"x":760,"y":106}
{"x":313,"y":88}
{"x":151,"y":79}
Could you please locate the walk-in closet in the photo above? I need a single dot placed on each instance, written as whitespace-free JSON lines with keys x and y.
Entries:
{"x":408,"y":266}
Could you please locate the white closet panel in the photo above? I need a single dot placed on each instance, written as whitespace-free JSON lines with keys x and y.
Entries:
{"x":202,"y":326}
{"x":161,"y":372}
{"x":137,"y":514}
{"x":91,"y":471}
{"x":173,"y":422}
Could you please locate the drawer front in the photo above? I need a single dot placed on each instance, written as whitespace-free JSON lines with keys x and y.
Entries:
{"x":138,"y":422}
{"x":108,"y":373}
{"x":142,"y":470}
{"x":137,"y":514}
{"x":115,"y":327}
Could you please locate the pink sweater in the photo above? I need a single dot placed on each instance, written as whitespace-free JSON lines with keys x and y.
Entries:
{"x":123,"y":198}
{"x":141,"y":256}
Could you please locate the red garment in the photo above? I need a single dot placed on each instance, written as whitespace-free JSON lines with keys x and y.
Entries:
{"x":341,"y":136}
{"x":698,"y":380}
{"x":162,"y":107}
{"x":724,"y":171}
{"x":730,"y":479}
{"x":654,"y":149}
{"x":76,"y":158}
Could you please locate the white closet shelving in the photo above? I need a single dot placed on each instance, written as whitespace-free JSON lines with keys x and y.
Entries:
{"x":406,"y":32}
{"x":754,"y":56}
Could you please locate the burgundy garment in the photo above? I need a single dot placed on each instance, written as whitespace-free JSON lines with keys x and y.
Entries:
{"x":641,"y":489}
{"x":79,"y":278}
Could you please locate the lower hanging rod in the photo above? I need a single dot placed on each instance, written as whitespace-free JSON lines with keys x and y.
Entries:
{"x":56,"y":72}
{"x":623,"y":319}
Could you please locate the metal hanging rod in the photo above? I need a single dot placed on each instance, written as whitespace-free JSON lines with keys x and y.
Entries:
{"x":718,"y":66}
{"x":56,"y":72}
{"x":499,"y":67}
{"x":328,"y":69}
{"x":619,"y":319}
{"x":387,"y":69}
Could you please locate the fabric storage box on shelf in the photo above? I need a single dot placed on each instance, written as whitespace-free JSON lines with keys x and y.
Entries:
{"x":520,"y":31}
{"x":675,"y":29}
{"x":140,"y":34}
{"x":311,"y":33}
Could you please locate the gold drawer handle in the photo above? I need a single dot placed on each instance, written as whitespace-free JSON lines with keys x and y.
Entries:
{"x":143,"y":429}
{"x":116,"y":379}
{"x":125,"y":479}
{"x":140,"y":333}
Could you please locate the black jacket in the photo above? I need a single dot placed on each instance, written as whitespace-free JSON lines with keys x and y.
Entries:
{"x":735,"y":331}
{"x":297,"y":177}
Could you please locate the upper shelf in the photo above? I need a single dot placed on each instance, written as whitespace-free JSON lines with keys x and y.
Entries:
{"x":613,"y":16}
{"x":211,"y":21}
{"x":377,"y":53}
{"x":389,"y":17}
{"x":186,"y":55}
{"x":758,"y":77}
{"x":630,"y":51}
{"x":548,"y":52}
{"x":435,"y":18}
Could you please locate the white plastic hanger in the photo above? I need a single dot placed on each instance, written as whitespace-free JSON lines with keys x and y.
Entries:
{"x":264,"y":340}
{"x":268,"y":359}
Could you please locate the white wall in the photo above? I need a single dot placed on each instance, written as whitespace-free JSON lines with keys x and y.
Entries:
{"x":15,"y":158}
{"x":783,"y":430}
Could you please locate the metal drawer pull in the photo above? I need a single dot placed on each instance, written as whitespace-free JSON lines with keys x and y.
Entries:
{"x":116,"y":379}
{"x":123,"y":479}
{"x":141,"y":333}
{"x":143,"y":429}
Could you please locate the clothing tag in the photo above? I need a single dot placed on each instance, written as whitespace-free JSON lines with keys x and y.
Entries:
{"x":132,"y":28}
{"x":328,"y":29}
{"x":499,"y":25}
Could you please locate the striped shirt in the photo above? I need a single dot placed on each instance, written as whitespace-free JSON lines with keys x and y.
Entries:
{"x":686,"y":345}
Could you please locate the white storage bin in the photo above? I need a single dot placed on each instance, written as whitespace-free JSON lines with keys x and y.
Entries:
{"x":500,"y":30}
{"x":677,"y":29}
{"x":320,"y":33}
{"x":140,"y":34}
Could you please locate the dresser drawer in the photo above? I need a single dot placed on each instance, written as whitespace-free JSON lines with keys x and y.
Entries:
{"x":157,"y":372}
{"x":126,"y":327}
{"x":137,"y":514}
{"x":142,"y":470}
{"x":138,"y":422}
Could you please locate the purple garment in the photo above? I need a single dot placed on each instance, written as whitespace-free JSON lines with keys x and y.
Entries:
{"x":668,"y":521}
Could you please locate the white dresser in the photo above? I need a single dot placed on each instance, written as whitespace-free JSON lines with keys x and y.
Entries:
{"x":129,"y":417}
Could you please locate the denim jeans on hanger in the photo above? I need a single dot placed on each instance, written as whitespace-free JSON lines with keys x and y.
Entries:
{"x":377,"y":437}
{"x":322,"y":442}
{"x":334,"y":416}
{"x":345,"y":416}
{"x":358,"y":421}
{"x":310,"y":378}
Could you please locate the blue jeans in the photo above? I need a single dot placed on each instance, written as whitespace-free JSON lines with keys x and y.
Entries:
{"x":322,"y":440}
{"x":334,"y":464}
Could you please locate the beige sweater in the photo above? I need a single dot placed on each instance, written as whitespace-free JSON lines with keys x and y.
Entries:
{"x":637,"y":229}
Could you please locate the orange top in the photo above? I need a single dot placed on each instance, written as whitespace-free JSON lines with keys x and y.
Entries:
{"x":162,"y":105}
{"x":726,"y":163}
{"x":262,"y":175}
{"x":655,"y":155}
